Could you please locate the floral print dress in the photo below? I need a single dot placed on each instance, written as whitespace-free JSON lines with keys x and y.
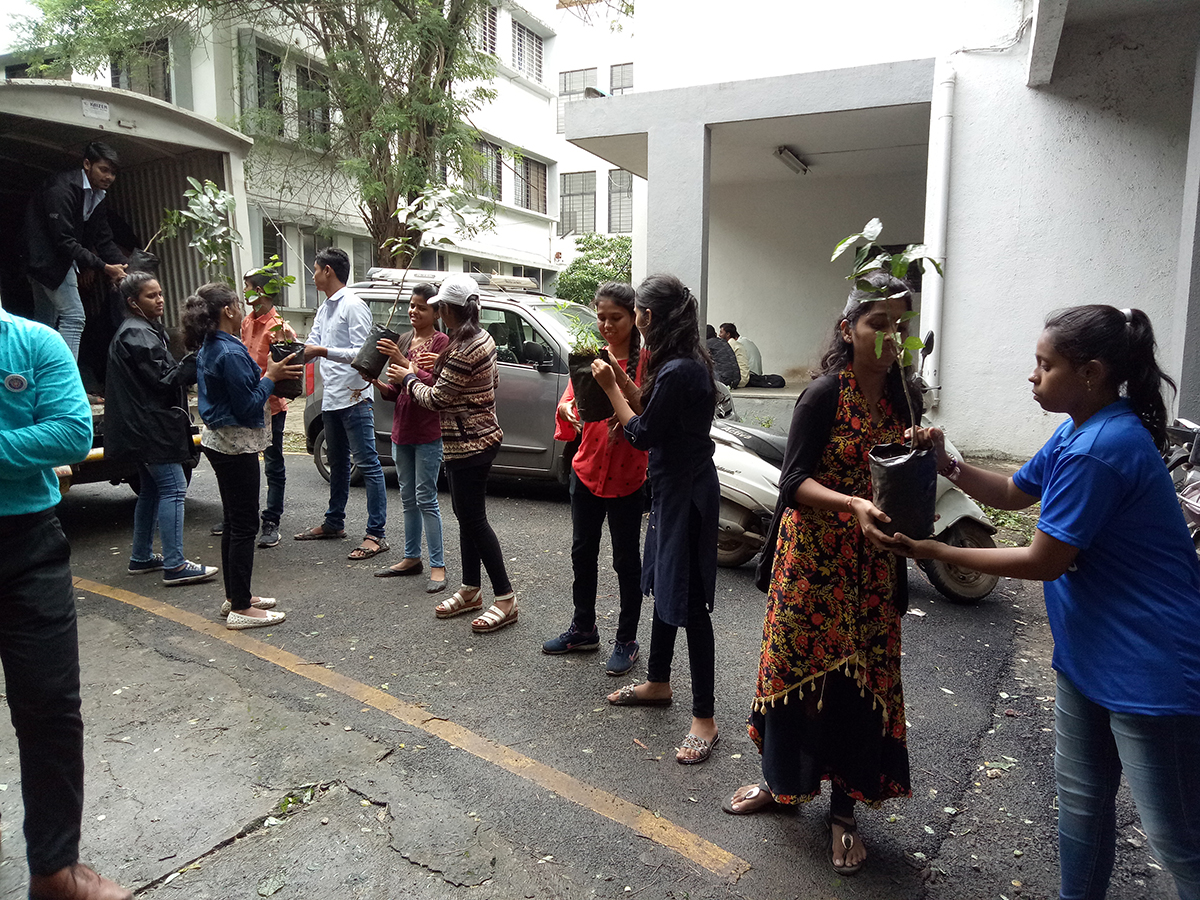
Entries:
{"x":829,"y":703}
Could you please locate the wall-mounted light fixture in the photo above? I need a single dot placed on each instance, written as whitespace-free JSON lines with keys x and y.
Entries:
{"x":791,"y":160}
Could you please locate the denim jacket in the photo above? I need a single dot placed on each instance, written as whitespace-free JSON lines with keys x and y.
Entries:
{"x":231,"y":392}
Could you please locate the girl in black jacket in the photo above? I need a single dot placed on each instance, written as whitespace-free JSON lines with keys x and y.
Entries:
{"x":146,"y":418}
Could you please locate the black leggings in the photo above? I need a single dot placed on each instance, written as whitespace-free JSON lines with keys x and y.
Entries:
{"x":700,"y":640}
{"x":477,"y":541}
{"x":238,"y":480}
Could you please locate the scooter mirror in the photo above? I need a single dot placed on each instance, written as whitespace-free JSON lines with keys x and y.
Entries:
{"x":928,"y":348}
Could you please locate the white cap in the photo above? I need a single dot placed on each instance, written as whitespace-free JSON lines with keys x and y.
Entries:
{"x":456,"y":290}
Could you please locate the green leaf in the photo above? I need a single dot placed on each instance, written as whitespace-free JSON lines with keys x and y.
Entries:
{"x":911,"y":314}
{"x":871,"y":232}
{"x":879,"y":339}
{"x":843,"y":245}
{"x":912,"y":342}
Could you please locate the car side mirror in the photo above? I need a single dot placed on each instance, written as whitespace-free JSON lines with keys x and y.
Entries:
{"x":535,"y":354}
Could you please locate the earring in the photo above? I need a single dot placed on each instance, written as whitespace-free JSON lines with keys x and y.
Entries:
{"x":1088,"y":382}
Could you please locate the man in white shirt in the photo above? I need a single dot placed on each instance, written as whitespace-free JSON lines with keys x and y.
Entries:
{"x":342,"y":326}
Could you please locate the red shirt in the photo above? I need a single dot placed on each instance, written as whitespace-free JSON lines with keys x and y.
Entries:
{"x":257,"y":336}
{"x":413,"y":424}
{"x":607,"y":468}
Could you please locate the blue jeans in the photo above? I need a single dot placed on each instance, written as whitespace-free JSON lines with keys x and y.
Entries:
{"x":275,"y":471}
{"x":1158,"y":756}
{"x":61,"y":308}
{"x":351,"y":431}
{"x":160,"y":502}
{"x":417,"y":467}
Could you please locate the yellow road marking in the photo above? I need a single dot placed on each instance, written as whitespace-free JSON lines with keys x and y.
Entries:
{"x":660,"y":830}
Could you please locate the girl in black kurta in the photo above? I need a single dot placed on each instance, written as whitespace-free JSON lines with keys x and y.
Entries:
{"x":680,"y":566}
{"x":829,"y":702}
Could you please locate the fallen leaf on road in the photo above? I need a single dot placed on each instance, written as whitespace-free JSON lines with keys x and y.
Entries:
{"x":640,"y":744}
{"x":919,"y":613}
{"x":270,"y":885}
{"x":948,"y":691}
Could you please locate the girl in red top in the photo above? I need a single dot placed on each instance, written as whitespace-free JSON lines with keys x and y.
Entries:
{"x":607,"y":478}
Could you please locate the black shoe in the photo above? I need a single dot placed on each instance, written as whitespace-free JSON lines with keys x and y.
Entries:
{"x":217,"y":529}
{"x":269,"y":536}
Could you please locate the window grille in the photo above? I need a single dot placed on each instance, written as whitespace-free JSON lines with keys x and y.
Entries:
{"x":531,"y":185}
{"x":620,"y":79}
{"x":576,"y":203}
{"x":527,"y":52}
{"x":571,"y":86}
{"x":620,"y":201}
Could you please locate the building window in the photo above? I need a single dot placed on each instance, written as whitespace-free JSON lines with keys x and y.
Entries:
{"x":471,"y":266}
{"x":576,"y":203}
{"x":531,"y":185}
{"x":146,"y":70}
{"x":312,"y":103}
{"x":527,"y":52}
{"x":620,"y":79}
{"x":308,"y":240}
{"x":531,"y":272}
{"x":269,"y":95}
{"x":47,"y":68}
{"x":484,"y":31}
{"x":620,"y":201}
{"x":570,"y":88}
{"x":486,"y":181}
{"x":273,"y":245}
{"x":432,"y":260}
{"x":364,"y":258}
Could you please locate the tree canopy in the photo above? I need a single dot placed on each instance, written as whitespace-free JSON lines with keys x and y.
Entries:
{"x":600,"y":259}
{"x":400,"y":77}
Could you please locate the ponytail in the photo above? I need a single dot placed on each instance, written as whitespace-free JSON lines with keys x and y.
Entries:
{"x":1124,"y":341}
{"x":202,"y":312}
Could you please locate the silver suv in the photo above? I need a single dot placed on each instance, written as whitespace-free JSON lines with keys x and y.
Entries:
{"x":532,"y":341}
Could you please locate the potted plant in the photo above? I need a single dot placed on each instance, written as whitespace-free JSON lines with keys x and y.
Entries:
{"x":903,"y":478}
{"x":433,"y":207}
{"x":586,"y":346}
{"x":281,"y":348}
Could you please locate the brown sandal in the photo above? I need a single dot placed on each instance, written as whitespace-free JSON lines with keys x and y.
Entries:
{"x":320,"y":532}
{"x":495,"y":618}
{"x":364,"y":552}
{"x":458,"y":604}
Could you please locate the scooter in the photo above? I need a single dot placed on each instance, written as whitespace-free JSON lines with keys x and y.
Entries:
{"x":1182,"y":458}
{"x":749,"y":461}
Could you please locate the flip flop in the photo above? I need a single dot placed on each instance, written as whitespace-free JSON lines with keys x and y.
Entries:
{"x":849,"y":835}
{"x":320,"y":532}
{"x":756,"y":791}
{"x":626,"y":696}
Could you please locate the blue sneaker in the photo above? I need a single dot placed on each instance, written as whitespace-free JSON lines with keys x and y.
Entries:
{"x":189,"y":573}
{"x":142,"y":566}
{"x":572,"y":640}
{"x":624,"y":655}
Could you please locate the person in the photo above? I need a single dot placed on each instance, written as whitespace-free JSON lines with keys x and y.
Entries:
{"x":146,"y":420}
{"x":341,"y":327}
{"x":233,"y":399}
{"x":45,"y":421}
{"x":67,"y":231}
{"x":1122,"y":587}
{"x":753,"y":355}
{"x":417,"y":443}
{"x":829,"y":702}
{"x":680,"y":566}
{"x":261,"y":328}
{"x":607,"y":475}
{"x":464,"y":394}
{"x":729,"y":334}
{"x":725,"y":363}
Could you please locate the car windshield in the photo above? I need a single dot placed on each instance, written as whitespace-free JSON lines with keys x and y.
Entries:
{"x":565,"y":314}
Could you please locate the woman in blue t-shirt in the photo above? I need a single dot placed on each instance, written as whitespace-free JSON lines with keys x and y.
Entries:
{"x":1122,"y":592}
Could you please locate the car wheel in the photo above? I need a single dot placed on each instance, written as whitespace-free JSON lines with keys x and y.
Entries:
{"x":956,"y":584}
{"x":322,"y":460}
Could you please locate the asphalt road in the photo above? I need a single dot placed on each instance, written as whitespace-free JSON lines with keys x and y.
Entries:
{"x":365,"y":749}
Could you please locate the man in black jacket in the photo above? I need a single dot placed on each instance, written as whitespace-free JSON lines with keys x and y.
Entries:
{"x":68,"y":231}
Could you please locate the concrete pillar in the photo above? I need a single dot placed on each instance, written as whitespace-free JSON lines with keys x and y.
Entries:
{"x":677,"y":205}
{"x":1187,"y":283}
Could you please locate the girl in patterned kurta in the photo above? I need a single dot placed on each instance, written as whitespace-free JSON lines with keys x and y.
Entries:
{"x":829,"y":703}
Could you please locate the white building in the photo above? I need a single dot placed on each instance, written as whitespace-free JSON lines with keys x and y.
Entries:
{"x":1047,"y":149}
{"x":294,"y":203}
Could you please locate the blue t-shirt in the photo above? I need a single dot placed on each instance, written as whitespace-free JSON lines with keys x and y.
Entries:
{"x":1126,"y":615}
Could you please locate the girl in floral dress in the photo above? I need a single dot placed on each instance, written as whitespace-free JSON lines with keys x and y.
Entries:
{"x":829,"y":704}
